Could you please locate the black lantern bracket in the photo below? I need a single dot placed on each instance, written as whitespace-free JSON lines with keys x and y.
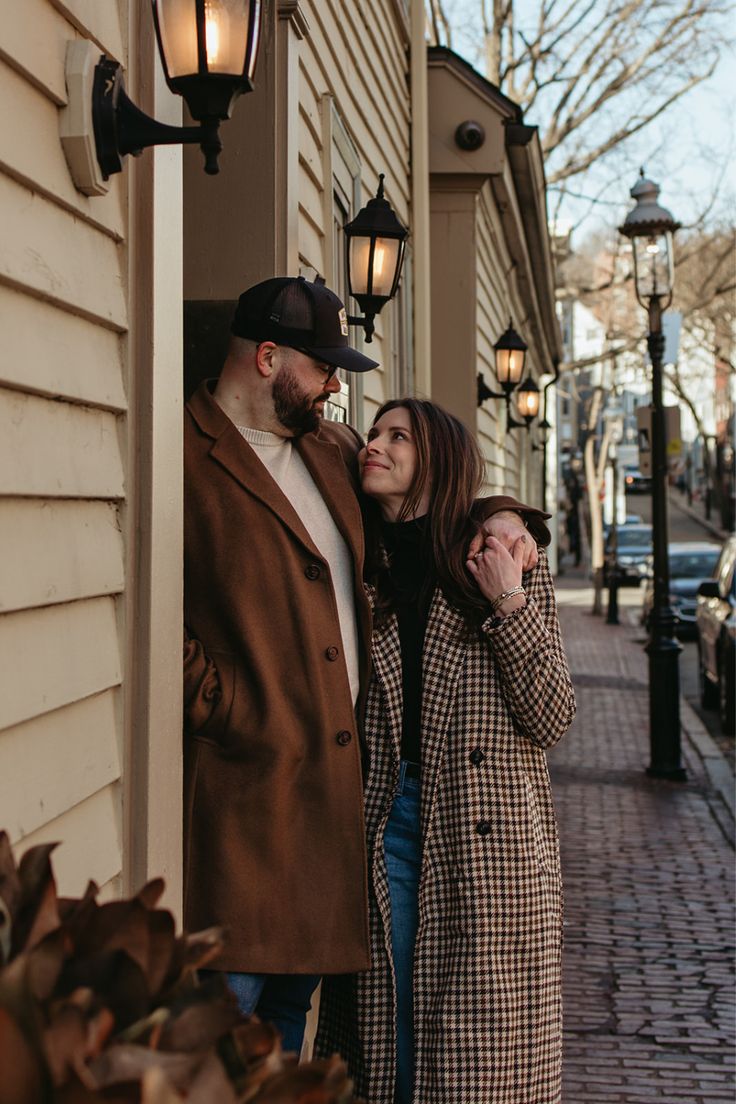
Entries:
{"x":101,"y":125}
{"x":484,"y":393}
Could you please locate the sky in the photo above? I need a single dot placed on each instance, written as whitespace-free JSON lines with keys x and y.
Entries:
{"x":690,"y":151}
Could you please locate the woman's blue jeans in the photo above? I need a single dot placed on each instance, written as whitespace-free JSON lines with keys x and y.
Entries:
{"x":280,"y":999}
{"x":402,"y":847}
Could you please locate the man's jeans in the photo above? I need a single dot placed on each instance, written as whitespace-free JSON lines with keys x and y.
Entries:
{"x":402,"y":847}
{"x":280,"y":999}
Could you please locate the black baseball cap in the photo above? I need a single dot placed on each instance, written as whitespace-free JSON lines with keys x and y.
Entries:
{"x":309,"y":317}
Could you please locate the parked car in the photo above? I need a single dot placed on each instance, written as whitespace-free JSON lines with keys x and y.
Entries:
{"x":636,"y":483}
{"x":631,"y":519}
{"x":716,"y":620}
{"x":691,"y":563}
{"x":633,"y":547}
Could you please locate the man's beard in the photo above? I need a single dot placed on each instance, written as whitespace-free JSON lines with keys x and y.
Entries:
{"x":295,"y":410}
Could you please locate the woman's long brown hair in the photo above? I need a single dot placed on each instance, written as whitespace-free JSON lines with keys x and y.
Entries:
{"x":450,"y":464}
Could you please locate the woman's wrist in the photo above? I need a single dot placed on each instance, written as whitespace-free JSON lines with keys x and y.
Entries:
{"x":508,"y":601}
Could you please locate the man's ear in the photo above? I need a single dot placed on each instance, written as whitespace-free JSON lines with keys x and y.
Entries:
{"x":265,"y":354}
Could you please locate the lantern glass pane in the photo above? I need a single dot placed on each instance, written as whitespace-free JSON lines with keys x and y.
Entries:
{"x":226,"y":28}
{"x":527,"y":403}
{"x":653,"y":271}
{"x":385,"y":259}
{"x":509,"y":365}
{"x":177,"y":20}
{"x":226,"y":35}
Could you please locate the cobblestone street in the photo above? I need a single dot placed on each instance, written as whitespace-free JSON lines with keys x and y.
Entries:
{"x":648,"y":868}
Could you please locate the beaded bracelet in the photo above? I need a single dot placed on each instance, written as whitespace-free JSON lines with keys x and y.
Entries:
{"x":501,"y":598}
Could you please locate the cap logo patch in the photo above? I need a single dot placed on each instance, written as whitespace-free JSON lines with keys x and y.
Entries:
{"x":343,"y":322}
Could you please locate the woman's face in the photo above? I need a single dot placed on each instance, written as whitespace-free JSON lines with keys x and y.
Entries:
{"x":388,"y":463}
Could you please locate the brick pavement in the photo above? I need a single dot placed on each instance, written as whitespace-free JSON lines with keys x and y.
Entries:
{"x":649,"y":890}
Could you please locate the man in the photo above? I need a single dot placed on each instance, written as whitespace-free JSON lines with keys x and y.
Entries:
{"x":277,"y":646}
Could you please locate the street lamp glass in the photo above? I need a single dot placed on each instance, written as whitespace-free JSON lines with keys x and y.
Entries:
{"x":653,"y":269}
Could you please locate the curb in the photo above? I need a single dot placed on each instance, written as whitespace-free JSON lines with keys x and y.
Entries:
{"x":709,"y":526}
{"x":714,"y":763}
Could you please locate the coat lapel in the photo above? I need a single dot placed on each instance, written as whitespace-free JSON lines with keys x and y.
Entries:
{"x":232,"y":452}
{"x":442,"y":663}
{"x":386,"y":655}
{"x":327,"y":468}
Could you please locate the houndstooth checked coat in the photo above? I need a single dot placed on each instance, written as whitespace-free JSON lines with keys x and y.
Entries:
{"x":487,"y":1005}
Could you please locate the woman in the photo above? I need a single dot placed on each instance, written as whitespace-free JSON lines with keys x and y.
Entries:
{"x":470,"y":685}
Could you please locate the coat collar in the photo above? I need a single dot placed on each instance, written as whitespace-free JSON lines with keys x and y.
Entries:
{"x":322,"y":457}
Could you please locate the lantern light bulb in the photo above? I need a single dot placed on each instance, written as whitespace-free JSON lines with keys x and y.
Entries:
{"x":212,"y":36}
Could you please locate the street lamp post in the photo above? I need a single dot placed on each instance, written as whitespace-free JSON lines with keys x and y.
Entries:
{"x":650,"y":228}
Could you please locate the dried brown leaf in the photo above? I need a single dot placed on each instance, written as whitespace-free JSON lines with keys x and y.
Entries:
{"x":10,"y":892}
{"x":211,"y":1084}
{"x":37,"y":912}
{"x":323,"y":1082}
{"x":125,"y":1062}
{"x":157,"y":1089}
{"x":117,"y":981}
{"x":151,"y":893}
{"x":200,"y":1024}
{"x":23,"y":1080}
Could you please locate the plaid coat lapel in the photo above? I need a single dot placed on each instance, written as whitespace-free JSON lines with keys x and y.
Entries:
{"x":386,"y":656}
{"x":444,"y":651}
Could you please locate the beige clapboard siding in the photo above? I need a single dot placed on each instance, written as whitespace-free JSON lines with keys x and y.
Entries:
{"x":47,"y":350}
{"x":362,"y":64}
{"x":53,"y":762}
{"x":101,"y":22}
{"x":87,"y":276}
{"x":58,"y":449}
{"x":339,"y":54}
{"x":57,"y":655}
{"x":34,"y":40}
{"x":58,"y":551}
{"x":34,"y":155}
{"x":492,"y":264}
{"x":89,"y":842}
{"x":344,"y":49}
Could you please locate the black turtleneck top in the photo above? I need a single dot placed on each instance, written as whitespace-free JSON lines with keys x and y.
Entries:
{"x":412,"y":579}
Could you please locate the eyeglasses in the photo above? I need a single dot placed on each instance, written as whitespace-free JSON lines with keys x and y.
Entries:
{"x":329,"y":369}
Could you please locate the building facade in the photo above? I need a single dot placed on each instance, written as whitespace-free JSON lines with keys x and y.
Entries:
{"x":103,"y":299}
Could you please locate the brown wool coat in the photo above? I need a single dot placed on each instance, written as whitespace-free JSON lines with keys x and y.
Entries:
{"x":487,"y":968}
{"x":274,"y":837}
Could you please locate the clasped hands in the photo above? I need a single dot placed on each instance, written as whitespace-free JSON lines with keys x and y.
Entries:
{"x":498,"y":555}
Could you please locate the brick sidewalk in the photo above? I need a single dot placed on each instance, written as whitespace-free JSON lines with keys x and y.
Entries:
{"x":648,"y":869}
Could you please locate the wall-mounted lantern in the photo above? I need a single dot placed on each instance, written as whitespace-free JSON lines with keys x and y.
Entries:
{"x":208,"y":49}
{"x":510,"y":354}
{"x":376,"y":241}
{"x":527,"y":403}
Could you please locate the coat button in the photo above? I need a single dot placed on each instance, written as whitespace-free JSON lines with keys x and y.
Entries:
{"x":476,"y":757}
{"x":343,"y":738}
{"x":332,"y":652}
{"x":483,"y":828}
{"x":312,"y":571}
